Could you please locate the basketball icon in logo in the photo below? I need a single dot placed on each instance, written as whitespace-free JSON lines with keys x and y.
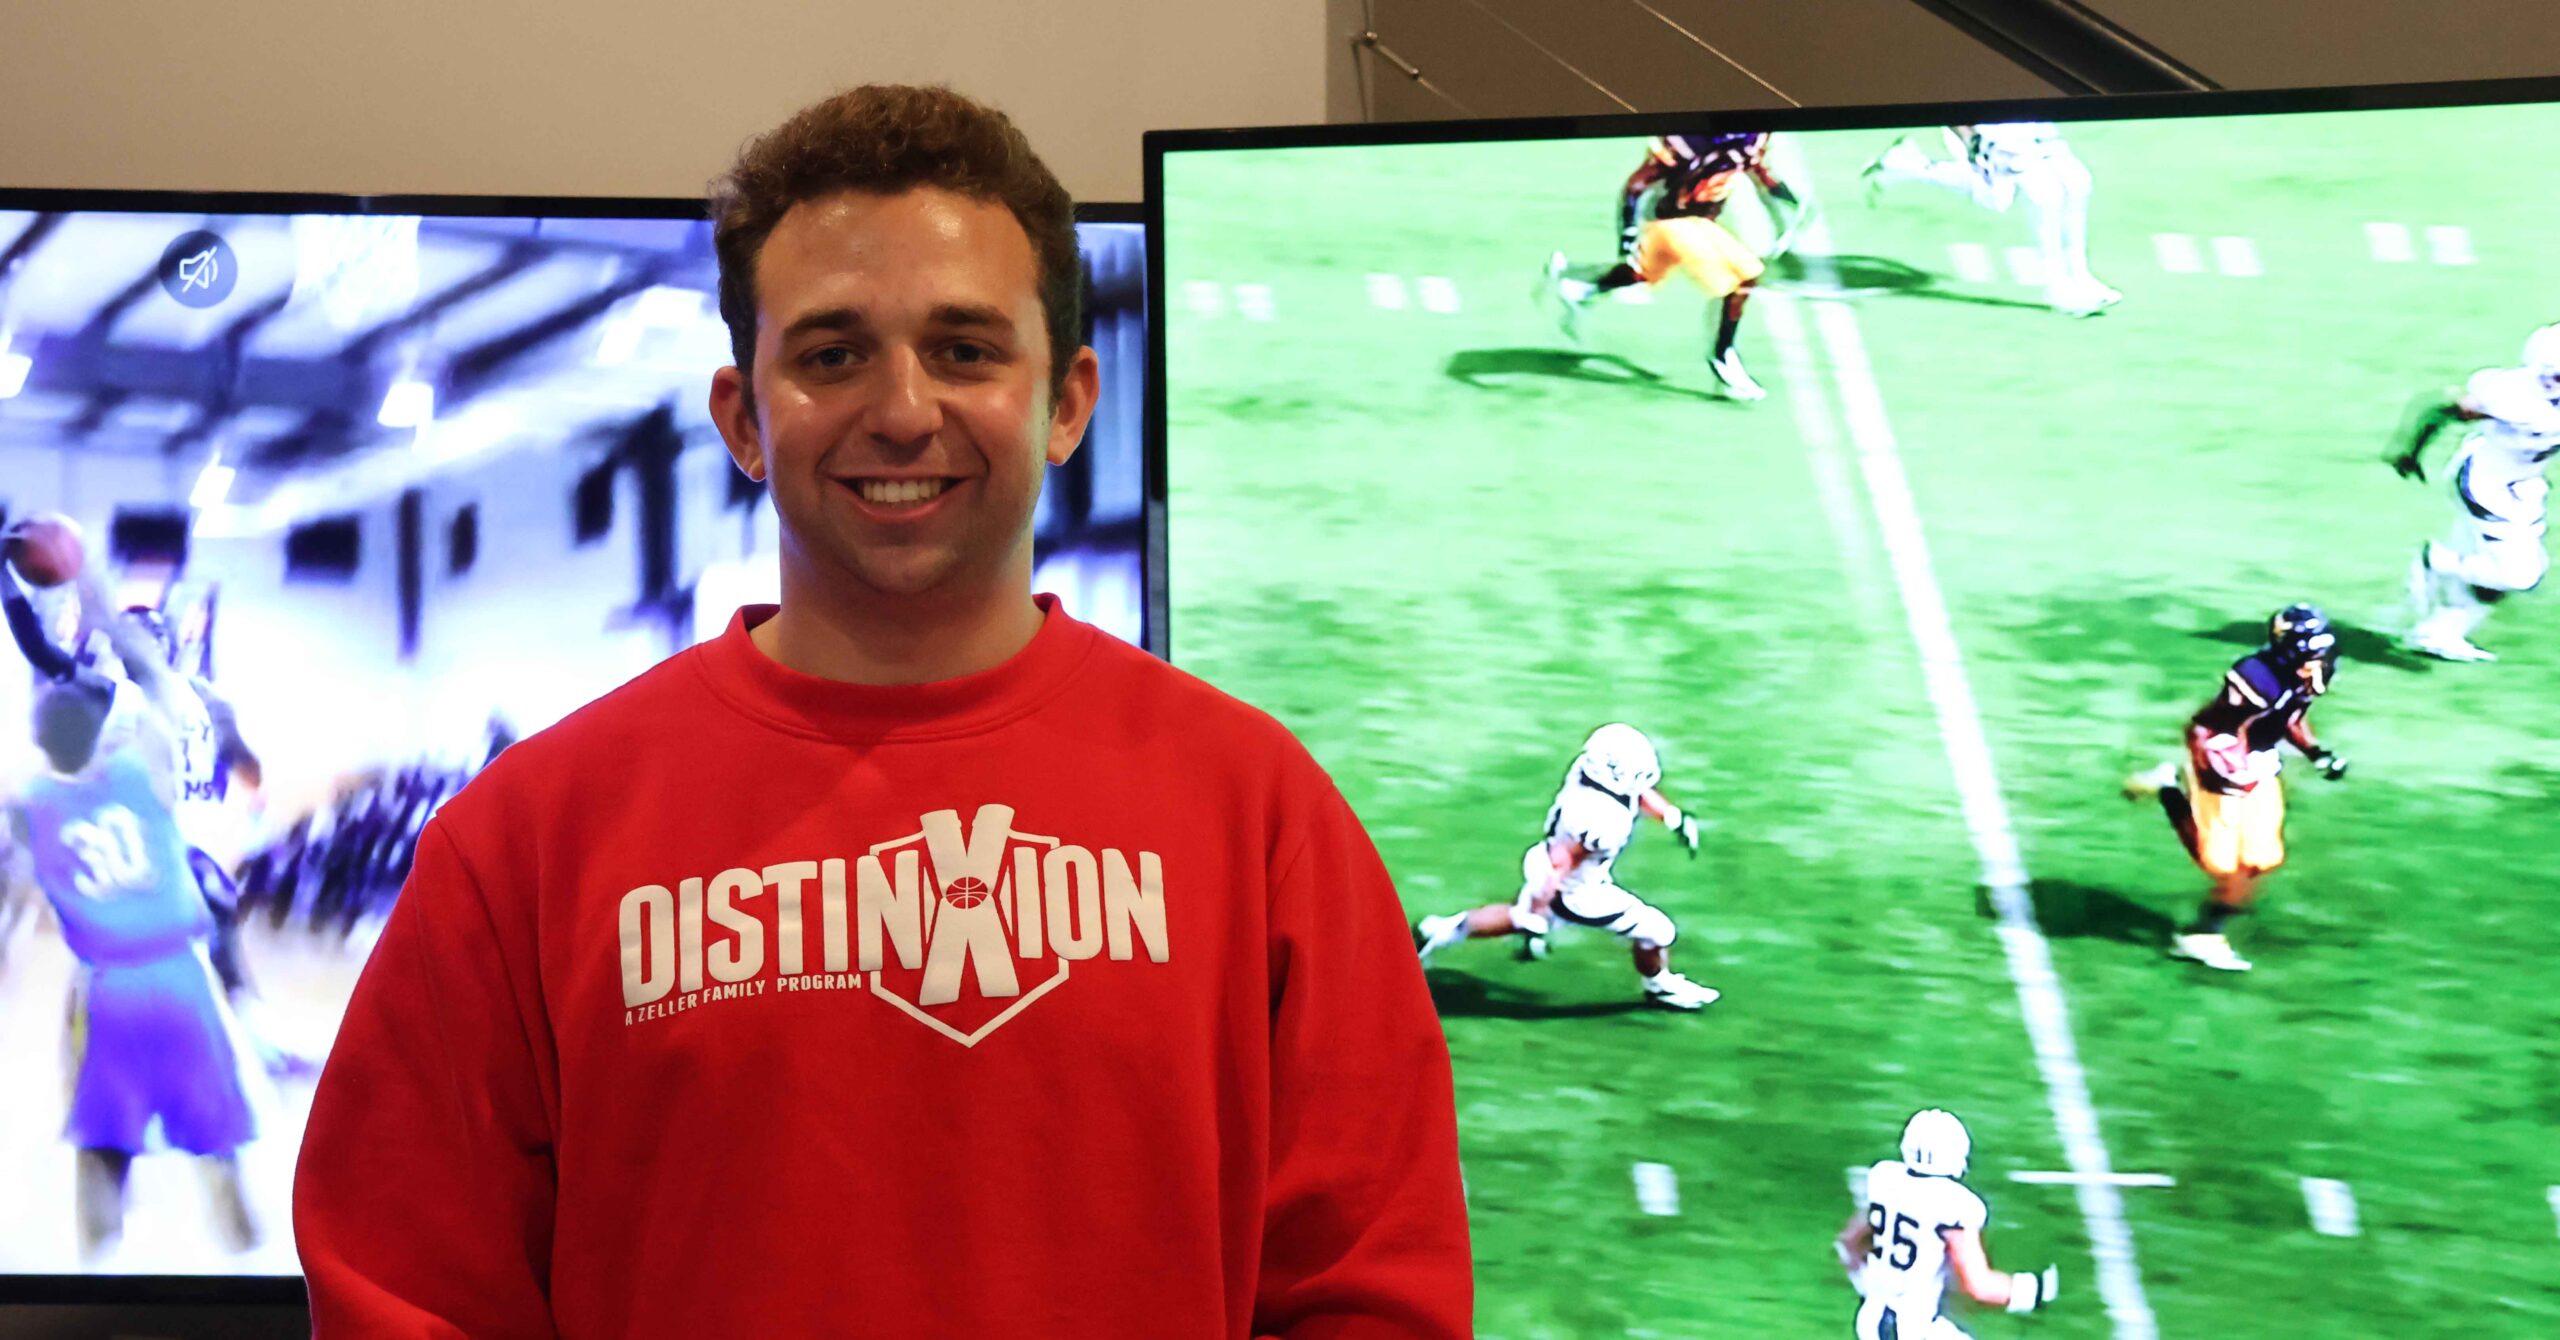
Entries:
{"x":966,"y":891}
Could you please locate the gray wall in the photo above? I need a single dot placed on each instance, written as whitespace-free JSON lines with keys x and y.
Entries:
{"x":600,"y":97}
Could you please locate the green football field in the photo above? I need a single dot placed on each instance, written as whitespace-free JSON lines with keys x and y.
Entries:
{"x":1442,"y":543}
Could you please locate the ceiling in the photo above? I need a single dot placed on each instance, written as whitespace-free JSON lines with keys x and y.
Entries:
{"x":1478,"y":58}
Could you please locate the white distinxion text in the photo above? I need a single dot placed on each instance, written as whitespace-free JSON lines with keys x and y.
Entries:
{"x":969,"y":906}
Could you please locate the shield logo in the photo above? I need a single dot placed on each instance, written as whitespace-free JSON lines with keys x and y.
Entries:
{"x":976,"y":894}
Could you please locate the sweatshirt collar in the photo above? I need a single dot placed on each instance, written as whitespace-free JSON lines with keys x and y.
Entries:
{"x":740,"y":672}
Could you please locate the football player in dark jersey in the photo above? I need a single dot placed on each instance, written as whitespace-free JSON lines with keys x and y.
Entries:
{"x":1688,"y":179}
{"x":2224,"y":799}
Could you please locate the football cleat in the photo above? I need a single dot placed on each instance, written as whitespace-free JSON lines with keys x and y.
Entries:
{"x":2213,"y":951}
{"x":1671,"y":991}
{"x":2082,"y":300}
{"x":2450,"y":647}
{"x":1433,"y":934}
{"x":1736,"y":380}
{"x":2151,"y":782}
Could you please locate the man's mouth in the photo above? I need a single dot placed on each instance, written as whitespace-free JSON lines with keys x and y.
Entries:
{"x":894,"y":493}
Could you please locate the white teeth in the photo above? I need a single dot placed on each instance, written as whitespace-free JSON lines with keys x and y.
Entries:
{"x":896,"y":491}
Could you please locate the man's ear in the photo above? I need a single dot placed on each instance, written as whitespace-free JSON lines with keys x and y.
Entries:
{"x":1074,"y":410}
{"x":733,"y":409}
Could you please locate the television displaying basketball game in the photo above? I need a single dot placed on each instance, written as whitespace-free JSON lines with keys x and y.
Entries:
{"x":312,"y":507}
{"x":1963,"y":702}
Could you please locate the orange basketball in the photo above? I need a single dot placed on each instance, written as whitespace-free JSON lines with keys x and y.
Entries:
{"x":45,"y":549}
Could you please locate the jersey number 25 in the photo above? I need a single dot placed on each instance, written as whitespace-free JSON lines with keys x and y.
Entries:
{"x":1893,"y":1240}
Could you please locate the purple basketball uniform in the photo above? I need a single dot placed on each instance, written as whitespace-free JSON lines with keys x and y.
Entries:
{"x":151,"y":1034}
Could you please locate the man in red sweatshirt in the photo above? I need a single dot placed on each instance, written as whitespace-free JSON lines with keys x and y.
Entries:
{"x":912,"y":960}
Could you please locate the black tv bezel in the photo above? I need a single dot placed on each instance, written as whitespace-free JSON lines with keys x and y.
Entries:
{"x":26,"y":1290}
{"x":1158,"y":144}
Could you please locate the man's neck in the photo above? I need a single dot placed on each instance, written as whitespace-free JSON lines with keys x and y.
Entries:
{"x":864,"y":638}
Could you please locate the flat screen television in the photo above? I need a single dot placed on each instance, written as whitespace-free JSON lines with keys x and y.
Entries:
{"x":2036,"y":419}
{"x":406,"y":479}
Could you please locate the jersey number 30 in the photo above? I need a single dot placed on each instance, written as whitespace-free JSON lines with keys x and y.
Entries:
{"x":112,"y":856}
{"x":1899,"y":1250}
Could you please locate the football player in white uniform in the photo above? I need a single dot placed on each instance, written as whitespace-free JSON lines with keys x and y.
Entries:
{"x":1566,"y":874}
{"x":2495,"y":548}
{"x":1920,"y":1230}
{"x":1997,"y":165}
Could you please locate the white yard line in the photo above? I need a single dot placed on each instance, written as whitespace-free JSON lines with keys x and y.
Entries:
{"x":2389,"y":243}
{"x":2450,"y":244}
{"x":1657,"y":1189}
{"x":1972,"y":262}
{"x":2333,"y":1207}
{"x":2178,"y":253}
{"x":2237,"y":257}
{"x":1800,"y":379}
{"x":2026,"y":266}
{"x":1986,"y":813}
{"x":2086,"y":1179}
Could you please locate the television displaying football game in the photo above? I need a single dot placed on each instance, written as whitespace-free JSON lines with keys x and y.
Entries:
{"x":361,"y":495}
{"x":1962,"y":706}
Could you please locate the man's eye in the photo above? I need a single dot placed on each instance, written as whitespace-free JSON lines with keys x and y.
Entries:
{"x":970,"y":353}
{"x":833,"y":356}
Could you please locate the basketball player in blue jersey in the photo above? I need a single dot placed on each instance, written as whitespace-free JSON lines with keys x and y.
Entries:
{"x":148,"y":1028}
{"x":210,"y":752}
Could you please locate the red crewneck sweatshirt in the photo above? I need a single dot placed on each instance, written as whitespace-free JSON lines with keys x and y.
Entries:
{"x":1066,"y":999}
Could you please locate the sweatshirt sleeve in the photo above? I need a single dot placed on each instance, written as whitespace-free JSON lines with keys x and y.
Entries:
{"x":423,"y":1198}
{"x":1365,"y":1224}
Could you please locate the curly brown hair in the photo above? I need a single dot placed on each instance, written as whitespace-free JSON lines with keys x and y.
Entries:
{"x":884,"y":139}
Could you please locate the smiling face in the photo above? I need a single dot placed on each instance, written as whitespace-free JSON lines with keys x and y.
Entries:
{"x":901,"y":411}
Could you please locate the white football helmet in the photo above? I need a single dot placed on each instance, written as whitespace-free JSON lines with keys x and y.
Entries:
{"x":2542,"y":356}
{"x":1619,"y":757}
{"x":1936,"y":1143}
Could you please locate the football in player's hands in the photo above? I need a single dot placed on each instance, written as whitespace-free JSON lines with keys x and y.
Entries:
{"x":2230,"y":758}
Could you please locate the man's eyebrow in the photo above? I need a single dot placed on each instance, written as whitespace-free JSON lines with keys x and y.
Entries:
{"x":825,"y":318}
{"x":972,"y":315}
